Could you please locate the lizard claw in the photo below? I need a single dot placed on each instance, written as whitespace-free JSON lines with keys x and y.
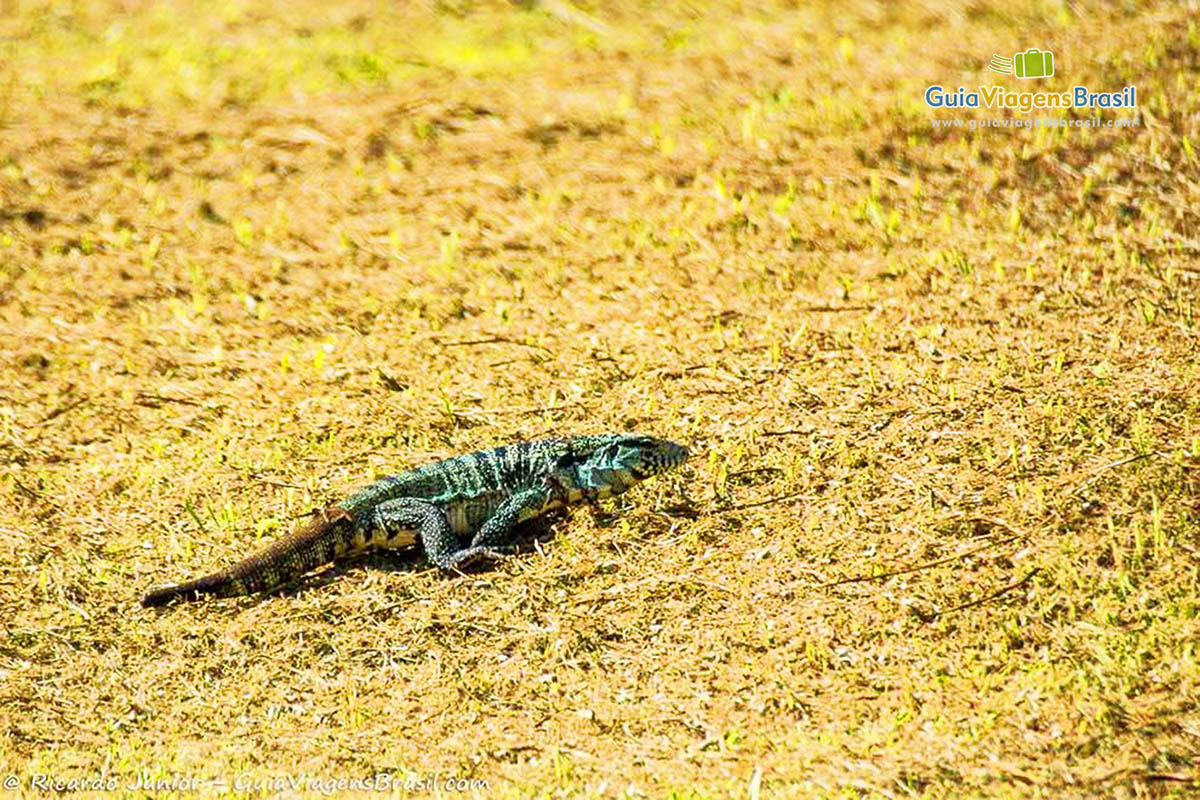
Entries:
{"x":471,"y":555}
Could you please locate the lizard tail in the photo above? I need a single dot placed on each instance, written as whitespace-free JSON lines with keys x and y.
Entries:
{"x":301,"y":551}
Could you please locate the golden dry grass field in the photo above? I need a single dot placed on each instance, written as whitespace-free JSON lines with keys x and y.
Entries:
{"x":941,"y":534}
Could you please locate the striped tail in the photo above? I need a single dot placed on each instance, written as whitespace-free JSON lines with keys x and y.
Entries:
{"x":303,"y":550}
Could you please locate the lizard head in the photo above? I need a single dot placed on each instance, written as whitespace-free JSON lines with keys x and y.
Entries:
{"x":612,"y":463}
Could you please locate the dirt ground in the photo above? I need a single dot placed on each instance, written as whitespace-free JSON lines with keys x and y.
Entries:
{"x":941,"y":534}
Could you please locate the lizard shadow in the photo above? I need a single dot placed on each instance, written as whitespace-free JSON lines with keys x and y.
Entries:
{"x":526,"y":537}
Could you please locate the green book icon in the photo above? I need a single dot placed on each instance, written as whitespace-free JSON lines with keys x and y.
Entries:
{"x":1033,"y":63}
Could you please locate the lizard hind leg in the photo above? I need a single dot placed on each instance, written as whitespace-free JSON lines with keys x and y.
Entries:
{"x":441,"y":544}
{"x":393,"y":523}
{"x":493,"y":541}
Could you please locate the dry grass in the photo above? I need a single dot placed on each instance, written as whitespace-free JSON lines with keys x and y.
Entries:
{"x":943,"y":533}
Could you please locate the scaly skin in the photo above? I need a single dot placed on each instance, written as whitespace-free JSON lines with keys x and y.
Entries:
{"x":479,"y":497}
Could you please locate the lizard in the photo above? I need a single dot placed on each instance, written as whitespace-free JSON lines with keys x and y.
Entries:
{"x":477,"y":498}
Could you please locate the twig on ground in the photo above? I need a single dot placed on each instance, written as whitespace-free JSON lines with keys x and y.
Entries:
{"x":1098,"y":471}
{"x":918,"y":567}
{"x":999,"y":592}
{"x":494,"y":340}
{"x":63,"y":409}
{"x":804,"y":432}
{"x":785,"y":498}
{"x":833,"y":309}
